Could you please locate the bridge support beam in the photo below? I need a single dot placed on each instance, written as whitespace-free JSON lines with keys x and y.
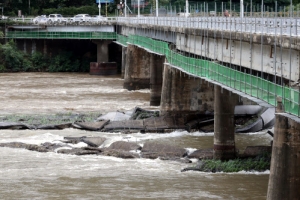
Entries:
{"x":224,"y":129}
{"x":184,"y":95}
{"x":102,"y":50}
{"x":137,"y":70}
{"x":284,"y":181}
{"x":156,"y":75}
{"x":123,"y":64}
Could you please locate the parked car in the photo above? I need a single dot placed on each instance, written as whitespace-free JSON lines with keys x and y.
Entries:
{"x":98,"y":18}
{"x":56,"y":19}
{"x":81,"y":18}
{"x":40,"y":20}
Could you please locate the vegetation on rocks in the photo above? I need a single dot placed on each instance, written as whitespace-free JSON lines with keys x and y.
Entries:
{"x":259,"y":163}
{"x":59,"y":118}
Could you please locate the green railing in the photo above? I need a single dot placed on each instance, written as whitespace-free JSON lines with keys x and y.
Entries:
{"x":246,"y":83}
{"x":60,"y":35}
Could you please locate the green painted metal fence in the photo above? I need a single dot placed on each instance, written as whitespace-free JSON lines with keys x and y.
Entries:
{"x":61,"y":35}
{"x":246,"y":83}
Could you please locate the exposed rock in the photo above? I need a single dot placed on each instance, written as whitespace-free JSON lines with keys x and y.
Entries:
{"x":114,"y":116}
{"x":119,"y":153}
{"x":253,"y":151}
{"x":202,"y":154}
{"x":93,"y":141}
{"x":52,"y":146}
{"x":31,"y":147}
{"x":54,"y":126}
{"x":125,"y":146}
{"x":15,"y":125}
{"x":140,"y":113}
{"x":124,"y":125}
{"x":73,"y":140}
{"x":78,"y":151}
{"x":154,"y":150}
{"x":92,"y":126}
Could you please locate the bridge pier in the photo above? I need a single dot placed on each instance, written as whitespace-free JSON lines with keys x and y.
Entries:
{"x":137,"y":70}
{"x":102,"y":50}
{"x":224,"y":129}
{"x":182,"y":94}
{"x":123,"y":64}
{"x":284,"y":181}
{"x":156,"y":78}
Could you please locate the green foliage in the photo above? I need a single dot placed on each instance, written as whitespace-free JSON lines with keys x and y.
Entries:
{"x":11,"y":57}
{"x":71,"y":11}
{"x":259,"y":163}
{"x":14,"y":60}
{"x":64,"y":62}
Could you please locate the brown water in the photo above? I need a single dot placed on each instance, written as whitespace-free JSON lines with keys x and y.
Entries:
{"x":32,"y":175}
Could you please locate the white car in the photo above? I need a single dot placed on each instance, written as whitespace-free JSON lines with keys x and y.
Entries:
{"x":40,"y":20}
{"x":81,"y":18}
{"x":98,"y":18}
{"x":56,"y":19}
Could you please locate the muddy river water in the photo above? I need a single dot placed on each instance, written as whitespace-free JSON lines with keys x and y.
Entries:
{"x":32,"y":175}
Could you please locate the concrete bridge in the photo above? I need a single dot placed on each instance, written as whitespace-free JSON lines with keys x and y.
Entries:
{"x":198,"y":64}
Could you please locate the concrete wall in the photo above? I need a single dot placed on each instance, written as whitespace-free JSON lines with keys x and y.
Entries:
{"x":246,"y":54}
{"x":182,"y":93}
{"x":137,"y":69}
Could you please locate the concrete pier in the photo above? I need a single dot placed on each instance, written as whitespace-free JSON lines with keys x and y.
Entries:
{"x":284,"y":181}
{"x":137,"y":70}
{"x":183,"y":94}
{"x":123,"y":64}
{"x":156,"y":75}
{"x":102,"y":50}
{"x":224,"y":128}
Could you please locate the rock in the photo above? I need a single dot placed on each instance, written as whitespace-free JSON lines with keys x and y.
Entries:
{"x":125,"y":146}
{"x":15,"y":125}
{"x":253,"y":151}
{"x":202,"y":154}
{"x":140,"y":113}
{"x":119,"y":153}
{"x":31,"y":147}
{"x":114,"y":116}
{"x":52,"y":146}
{"x":93,"y":141}
{"x":73,"y":140}
{"x":92,"y":126}
{"x":54,"y":126}
{"x":124,"y":125}
{"x":154,"y":150}
{"x":79,"y":151}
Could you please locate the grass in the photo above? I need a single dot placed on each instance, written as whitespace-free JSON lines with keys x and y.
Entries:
{"x":59,"y":118}
{"x":259,"y":163}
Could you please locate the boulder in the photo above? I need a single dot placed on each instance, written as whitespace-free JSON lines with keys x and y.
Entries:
{"x":93,"y":141}
{"x":202,"y":154}
{"x":154,"y":150}
{"x":125,"y":146}
{"x":253,"y":151}
{"x":119,"y":153}
{"x":92,"y":126}
{"x":31,"y":147}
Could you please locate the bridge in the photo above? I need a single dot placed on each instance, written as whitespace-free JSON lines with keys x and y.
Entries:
{"x":195,"y":64}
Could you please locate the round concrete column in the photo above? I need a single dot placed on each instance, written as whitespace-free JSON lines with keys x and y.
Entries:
{"x":156,"y":73}
{"x":224,"y":129}
{"x":284,"y":181}
{"x":137,"y":70}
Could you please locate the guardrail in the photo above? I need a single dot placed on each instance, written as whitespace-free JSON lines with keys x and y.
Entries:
{"x":249,"y":84}
{"x":267,"y":26}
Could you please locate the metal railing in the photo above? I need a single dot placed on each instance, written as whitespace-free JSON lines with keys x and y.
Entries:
{"x":249,"y":84}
